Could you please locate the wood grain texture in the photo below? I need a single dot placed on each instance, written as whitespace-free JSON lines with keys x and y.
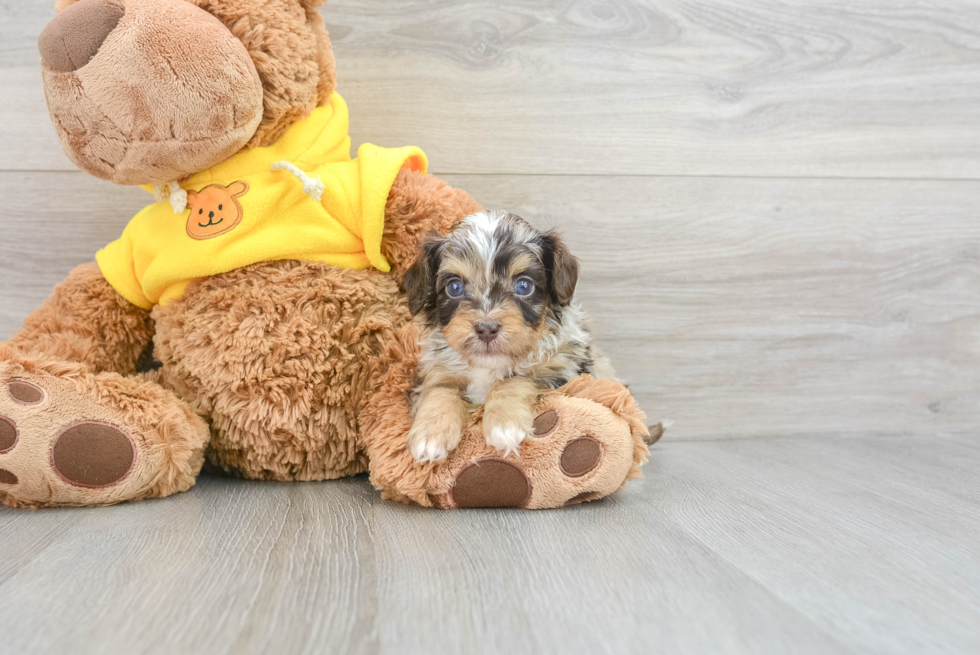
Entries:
{"x":264,"y":564}
{"x":737,"y":308}
{"x":673,"y":87}
{"x":777,"y":307}
{"x":759,"y":546}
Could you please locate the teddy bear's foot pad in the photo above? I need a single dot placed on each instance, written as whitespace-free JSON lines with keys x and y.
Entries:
{"x":79,"y":439}
{"x":491,"y":483}
{"x":93,"y":455}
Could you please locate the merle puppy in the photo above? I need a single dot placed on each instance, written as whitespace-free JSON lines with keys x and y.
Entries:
{"x":495,"y":302}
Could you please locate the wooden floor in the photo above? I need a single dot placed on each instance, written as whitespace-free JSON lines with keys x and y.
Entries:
{"x":777,"y":204}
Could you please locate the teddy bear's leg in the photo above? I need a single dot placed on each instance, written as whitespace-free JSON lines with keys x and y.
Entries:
{"x":588,"y":440}
{"x":73,"y":430}
{"x":86,"y":321}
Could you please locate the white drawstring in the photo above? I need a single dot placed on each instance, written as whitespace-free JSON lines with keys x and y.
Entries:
{"x":178,"y":197}
{"x":159,"y":193}
{"x":312,"y":187}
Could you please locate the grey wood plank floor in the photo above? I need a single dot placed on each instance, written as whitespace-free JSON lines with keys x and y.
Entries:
{"x":775,"y":203}
{"x":748,"y":546}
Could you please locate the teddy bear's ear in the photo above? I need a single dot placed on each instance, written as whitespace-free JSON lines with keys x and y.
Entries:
{"x":291,"y":53}
{"x":61,"y":5}
{"x":325,"y":60}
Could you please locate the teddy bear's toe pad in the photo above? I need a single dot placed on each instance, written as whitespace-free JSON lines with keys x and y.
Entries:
{"x":25,"y":393}
{"x":545,"y":423}
{"x":491,"y":482}
{"x":580,"y":456}
{"x":582,"y":451}
{"x":8,"y":434}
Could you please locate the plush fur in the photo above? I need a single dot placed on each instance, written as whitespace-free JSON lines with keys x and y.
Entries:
{"x":284,"y":370}
{"x":293,"y":350}
{"x":86,"y":321}
{"x":291,"y":50}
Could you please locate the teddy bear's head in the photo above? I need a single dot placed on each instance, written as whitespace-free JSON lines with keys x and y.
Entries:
{"x":146,"y":91}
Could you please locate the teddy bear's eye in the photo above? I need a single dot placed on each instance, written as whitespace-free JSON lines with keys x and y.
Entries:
{"x":220,"y":207}
{"x":200,"y":211}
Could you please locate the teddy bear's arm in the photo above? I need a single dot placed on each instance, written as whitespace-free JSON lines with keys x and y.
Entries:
{"x":417,"y":205}
{"x":85,"y":320}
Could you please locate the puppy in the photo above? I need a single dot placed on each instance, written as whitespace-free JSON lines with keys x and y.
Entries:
{"x":494,"y":299}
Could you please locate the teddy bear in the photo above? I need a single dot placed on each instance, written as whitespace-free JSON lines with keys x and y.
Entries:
{"x":253,"y":315}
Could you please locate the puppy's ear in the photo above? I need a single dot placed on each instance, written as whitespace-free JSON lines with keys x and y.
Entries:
{"x":420,"y":279}
{"x":562,"y":268}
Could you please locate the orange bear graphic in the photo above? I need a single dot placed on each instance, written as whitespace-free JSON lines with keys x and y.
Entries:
{"x":215,"y":210}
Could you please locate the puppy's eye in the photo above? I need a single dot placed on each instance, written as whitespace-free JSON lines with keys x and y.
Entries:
{"x":455,"y":288}
{"x":524,"y":287}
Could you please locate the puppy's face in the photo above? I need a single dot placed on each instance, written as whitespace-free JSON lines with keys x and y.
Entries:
{"x":490,"y":286}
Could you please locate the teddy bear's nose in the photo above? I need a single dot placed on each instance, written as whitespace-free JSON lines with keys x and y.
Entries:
{"x":210,"y":214}
{"x":74,"y":36}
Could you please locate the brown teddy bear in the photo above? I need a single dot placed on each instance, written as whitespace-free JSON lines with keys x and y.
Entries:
{"x":253,"y":314}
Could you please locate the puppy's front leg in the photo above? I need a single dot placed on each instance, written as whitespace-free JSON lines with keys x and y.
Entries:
{"x":440,"y":418}
{"x":508,"y":413}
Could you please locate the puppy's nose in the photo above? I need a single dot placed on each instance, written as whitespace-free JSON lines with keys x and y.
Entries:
{"x":487,"y":331}
{"x":76,"y":34}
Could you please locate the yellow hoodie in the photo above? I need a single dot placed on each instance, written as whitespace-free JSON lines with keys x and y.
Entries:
{"x":300,"y":198}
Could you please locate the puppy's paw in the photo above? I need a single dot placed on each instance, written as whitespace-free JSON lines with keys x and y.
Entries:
{"x":432,"y":439}
{"x":427,"y":450}
{"x":506,"y":438}
{"x":506,"y":426}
